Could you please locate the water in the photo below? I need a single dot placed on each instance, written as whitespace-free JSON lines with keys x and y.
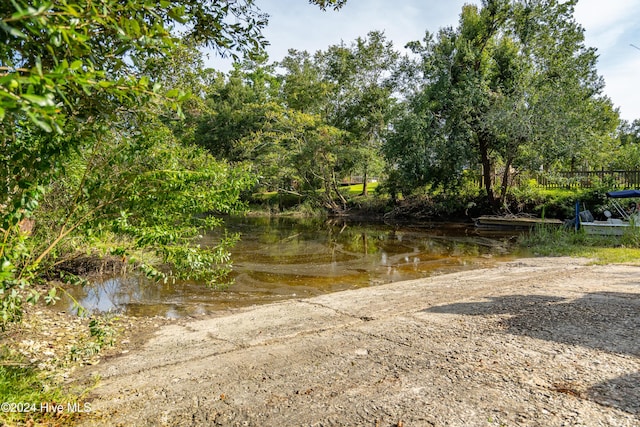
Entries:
{"x":280,"y":258}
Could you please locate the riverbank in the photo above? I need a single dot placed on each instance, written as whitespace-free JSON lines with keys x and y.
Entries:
{"x":544,"y":341}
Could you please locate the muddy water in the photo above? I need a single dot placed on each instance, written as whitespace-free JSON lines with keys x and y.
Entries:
{"x":281,"y":258}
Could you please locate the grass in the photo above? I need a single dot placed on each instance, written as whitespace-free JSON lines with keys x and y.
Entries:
{"x":548,"y":241}
{"x":29,"y":397}
{"x":356,"y":189}
{"x":614,"y":255}
{"x":34,"y":365}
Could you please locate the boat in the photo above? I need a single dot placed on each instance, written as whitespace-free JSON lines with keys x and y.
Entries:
{"x":613,"y":226}
{"x":512,"y":222}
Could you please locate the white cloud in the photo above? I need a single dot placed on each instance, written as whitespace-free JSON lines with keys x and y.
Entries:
{"x":611,"y":28}
{"x":623,"y":86}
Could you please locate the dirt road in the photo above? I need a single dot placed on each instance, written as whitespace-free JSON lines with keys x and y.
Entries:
{"x":535,"y":342}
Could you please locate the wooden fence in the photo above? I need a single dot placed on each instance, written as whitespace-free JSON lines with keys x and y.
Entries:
{"x":587,"y":179}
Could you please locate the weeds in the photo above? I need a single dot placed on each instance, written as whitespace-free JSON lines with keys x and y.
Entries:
{"x":30,"y":397}
{"x":37,"y":356}
{"x":554,"y":241}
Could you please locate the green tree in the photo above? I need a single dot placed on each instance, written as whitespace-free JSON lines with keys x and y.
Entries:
{"x":513,"y":85}
{"x":573,"y":124}
{"x":627,"y":154}
{"x":298,"y":153}
{"x":236,"y":105}
{"x":274,"y":123}
{"x":73,"y":74}
{"x":320,"y":150}
{"x":303,"y":87}
{"x":360,"y":99}
{"x":629,"y":133}
{"x":143,"y":185}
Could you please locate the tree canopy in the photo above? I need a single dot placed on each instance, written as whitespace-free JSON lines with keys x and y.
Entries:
{"x":114,"y":136}
{"x":512,"y":85}
{"x":80,"y":85}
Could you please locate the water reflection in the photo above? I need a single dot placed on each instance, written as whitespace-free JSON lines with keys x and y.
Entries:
{"x":283,"y":258}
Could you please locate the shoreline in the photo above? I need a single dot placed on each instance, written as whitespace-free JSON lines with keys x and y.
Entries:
{"x":536,"y":341}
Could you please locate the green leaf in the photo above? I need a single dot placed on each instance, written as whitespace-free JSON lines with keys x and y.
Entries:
{"x":42,"y":101}
{"x":173,"y":93}
{"x":40,"y":123}
{"x":38,"y":66}
{"x":56,"y":40}
{"x":12,"y":31}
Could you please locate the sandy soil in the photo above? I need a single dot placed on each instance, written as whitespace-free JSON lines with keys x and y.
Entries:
{"x":535,"y":342}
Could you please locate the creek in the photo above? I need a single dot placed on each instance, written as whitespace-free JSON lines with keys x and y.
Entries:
{"x":283,"y":258}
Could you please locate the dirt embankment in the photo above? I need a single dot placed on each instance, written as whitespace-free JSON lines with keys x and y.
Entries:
{"x":535,"y":342}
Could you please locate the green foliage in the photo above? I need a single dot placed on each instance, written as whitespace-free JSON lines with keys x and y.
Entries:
{"x":359,"y":98}
{"x":303,"y":86}
{"x":149,"y":189}
{"x":235,"y":106}
{"x":627,"y":156}
{"x":306,"y":129}
{"x":77,"y":82}
{"x":101,"y":330}
{"x":629,"y":133}
{"x":324,"y":4}
{"x":554,"y":241}
{"x":527,"y":197}
{"x":77,"y":62}
{"x":507,"y":88}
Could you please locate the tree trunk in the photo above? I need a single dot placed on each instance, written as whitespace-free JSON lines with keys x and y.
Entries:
{"x":334,"y":182}
{"x":364,"y":183}
{"x":505,"y":181}
{"x":486,"y":169}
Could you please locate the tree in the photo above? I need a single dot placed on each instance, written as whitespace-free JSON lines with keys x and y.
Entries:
{"x":235,"y":106}
{"x":298,"y":153}
{"x":513,"y":85}
{"x":303,"y":87}
{"x":350,"y":89}
{"x":360,"y":97}
{"x":70,"y":71}
{"x":629,"y":133}
{"x":627,"y":155}
{"x":275,"y":123}
{"x":574,"y":124}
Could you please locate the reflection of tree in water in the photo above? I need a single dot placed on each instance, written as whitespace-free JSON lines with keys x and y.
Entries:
{"x":108,"y":295}
{"x":288,"y":242}
{"x":279,"y":258}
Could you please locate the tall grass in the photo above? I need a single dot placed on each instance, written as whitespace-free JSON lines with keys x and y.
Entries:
{"x":557,"y":241}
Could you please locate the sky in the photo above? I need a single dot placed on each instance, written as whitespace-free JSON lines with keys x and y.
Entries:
{"x":611,"y":26}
